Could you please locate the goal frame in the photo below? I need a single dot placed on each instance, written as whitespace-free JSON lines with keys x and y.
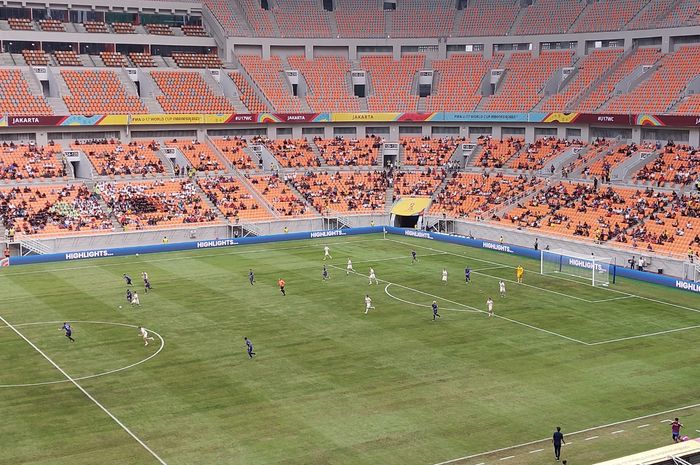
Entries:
{"x":595,"y":265}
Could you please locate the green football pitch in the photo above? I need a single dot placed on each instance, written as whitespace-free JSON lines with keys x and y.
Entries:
{"x":329,"y":384}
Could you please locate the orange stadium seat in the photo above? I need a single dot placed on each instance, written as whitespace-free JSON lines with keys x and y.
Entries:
{"x":194,"y":30}
{"x":232,"y":149}
{"x":188,"y":92}
{"x":20,"y":24}
{"x":427,"y":151}
{"x":549,"y":17}
{"x":282,"y":199}
{"x":159,"y":29}
{"x":391,"y":81}
{"x":95,"y":27}
{"x":113,"y":59}
{"x":51,"y":25}
{"x":488,"y":18}
{"x":293,"y":153}
{"x":199,"y":154}
{"x":227,"y":17}
{"x":540,"y":152}
{"x":67,"y":58}
{"x":417,"y":183}
{"x":349,"y":152}
{"x":35,"y":57}
{"x":247,"y":94}
{"x":114,"y":158}
{"x":16,"y":97}
{"x":610,"y":15}
{"x":268,"y":75}
{"x":301,"y":18}
{"x":329,"y":84}
{"x":142,"y":60}
{"x":197,"y":60}
{"x":23,"y":161}
{"x":262,"y":21}
{"x":98,"y":92}
{"x":123,"y":28}
{"x":343,"y":192}
{"x":496,"y":152}
{"x":234,"y":199}
{"x":677,"y":165}
{"x":459,"y":82}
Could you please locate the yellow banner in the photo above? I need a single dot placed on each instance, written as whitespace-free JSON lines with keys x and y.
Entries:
{"x":359,"y":117}
{"x":114,"y":120}
{"x":410,"y":206}
{"x":182,"y":118}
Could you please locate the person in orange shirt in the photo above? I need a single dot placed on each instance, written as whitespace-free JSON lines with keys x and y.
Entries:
{"x":282,"y":284}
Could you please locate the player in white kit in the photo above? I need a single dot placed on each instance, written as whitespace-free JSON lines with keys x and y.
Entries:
{"x":372,"y":276}
{"x":368,"y":304}
{"x":444,"y":276}
{"x":135,"y":300}
{"x":489,"y":306}
{"x":349,"y":268}
{"x":144,"y":335}
{"x":327,"y":253}
{"x":502,"y":288}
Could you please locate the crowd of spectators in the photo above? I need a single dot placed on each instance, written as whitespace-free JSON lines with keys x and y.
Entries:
{"x":427,"y":151}
{"x":340,"y":151}
{"x":678,"y":164}
{"x":111,"y":157}
{"x":26,"y":161}
{"x":356,"y":192}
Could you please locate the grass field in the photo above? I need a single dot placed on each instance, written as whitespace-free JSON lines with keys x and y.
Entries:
{"x":331,"y":385}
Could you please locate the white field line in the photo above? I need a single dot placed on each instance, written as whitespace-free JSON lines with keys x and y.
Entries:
{"x":506,"y":458}
{"x":535,"y":451}
{"x":658,"y":333}
{"x":591,"y":438}
{"x":386,"y":290}
{"x":627,"y":294}
{"x":237,"y":251}
{"x":97,"y":375}
{"x":587,"y":430}
{"x":642,"y":426}
{"x":618,"y":431}
{"x":472,"y":308}
{"x":87,"y":394}
{"x":614,"y":298}
{"x":478,"y":270}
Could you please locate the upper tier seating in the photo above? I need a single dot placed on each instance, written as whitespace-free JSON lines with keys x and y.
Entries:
{"x":21,"y":24}
{"x":156,"y":204}
{"x":52,"y":210}
{"x":268,"y":75}
{"x":232,"y":149}
{"x":95,"y":27}
{"x":417,"y":183}
{"x":427,"y":151}
{"x":159,"y":29}
{"x":114,"y":59}
{"x":293,"y":153}
{"x":604,"y":166}
{"x":67,"y":58}
{"x":677,"y":165}
{"x":98,"y":92}
{"x":497,"y":152}
{"x":301,"y":18}
{"x":112,"y":158}
{"x":340,"y":151}
{"x":602,"y":91}
{"x":22,"y":161}
{"x":226,"y":15}
{"x":610,"y":15}
{"x":200,"y":155}
{"x":590,"y":68}
{"x":391,"y":81}
{"x":540,"y":152}
{"x":355,"y":21}
{"x":549,"y":17}
{"x":683,"y":13}
{"x":194,"y":30}
{"x":327,"y":79}
{"x":663,"y":88}
{"x":488,"y":18}
{"x":16,"y":97}
{"x":422,"y":21}
{"x":234,"y":199}
{"x":525,"y":78}
{"x":343,"y":192}
{"x":123,"y":28}
{"x":35,"y":57}
{"x":51,"y":25}
{"x":280,"y":196}
{"x":188,"y":92}
{"x":197,"y":60}
{"x":459,"y":82}
{"x":652,"y":15}
{"x":142,"y":60}
{"x":260,"y":20}
{"x":472,"y":195}
{"x":247,"y":94}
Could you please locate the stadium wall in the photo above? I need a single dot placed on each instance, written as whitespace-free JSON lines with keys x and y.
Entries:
{"x":325,"y":234}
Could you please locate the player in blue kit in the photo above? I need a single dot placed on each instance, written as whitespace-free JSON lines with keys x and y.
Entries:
{"x":251,"y":277}
{"x":325,"y":274}
{"x":127,"y":278}
{"x":468,"y":275}
{"x":129,"y":295}
{"x":414,"y":258}
{"x":436,"y":315}
{"x":69,"y":331}
{"x":249,"y":347}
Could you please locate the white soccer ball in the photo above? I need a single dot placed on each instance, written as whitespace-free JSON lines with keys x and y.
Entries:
{"x":137,"y":255}
{"x":120,"y":306}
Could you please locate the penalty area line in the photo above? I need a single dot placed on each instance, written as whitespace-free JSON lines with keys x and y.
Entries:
{"x":87,"y":394}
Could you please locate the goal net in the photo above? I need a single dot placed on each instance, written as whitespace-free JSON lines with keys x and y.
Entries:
{"x":598,"y":271}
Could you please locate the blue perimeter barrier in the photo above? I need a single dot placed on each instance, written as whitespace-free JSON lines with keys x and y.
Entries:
{"x":668,"y":281}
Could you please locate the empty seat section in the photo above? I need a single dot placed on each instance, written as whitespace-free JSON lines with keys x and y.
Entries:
{"x":123,"y":28}
{"x":363,"y":18}
{"x":142,"y":60}
{"x":159,"y":29}
{"x":344,"y":192}
{"x":95,"y":27}
{"x":194,"y":30}
{"x":199,"y":154}
{"x":188,"y":92}
{"x":16,"y":97}
{"x":51,"y":25}
{"x":684,"y":13}
{"x":21,"y":24}
{"x":603,"y":90}
{"x":488,"y":18}
{"x":156,"y":204}
{"x":549,"y":17}
{"x":391,"y":81}
{"x":328,"y":80}
{"x":340,"y":151}
{"x":293,"y":153}
{"x":247,"y":94}
{"x":114,"y":59}
{"x":67,"y":58}
{"x":269,"y":76}
{"x":427,"y":151}
{"x":524,"y":80}
{"x":280,"y":196}
{"x":608,"y":15}
{"x":114,"y":158}
{"x":301,"y":18}
{"x":260,"y":20}
{"x":459,"y":82}
{"x":588,"y":70}
{"x":197,"y":60}
{"x":28,"y":161}
{"x":98,"y":92}
{"x":422,"y":21}
{"x":35,"y":57}
{"x":233,"y":199}
{"x":663,"y":88}
{"x":227,"y":17}
{"x":233,"y":149}
{"x":652,"y":15}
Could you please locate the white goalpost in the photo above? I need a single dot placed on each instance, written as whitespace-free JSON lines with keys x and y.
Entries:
{"x":598,"y":271}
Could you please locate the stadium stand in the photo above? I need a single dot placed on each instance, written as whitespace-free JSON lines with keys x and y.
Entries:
{"x":391,"y":81}
{"x":360,"y":18}
{"x":343,"y":192}
{"x":301,"y":18}
{"x":227,"y":17}
{"x":340,"y":151}
{"x":292,"y":153}
{"x":159,"y":29}
{"x":261,"y":21}
{"x":16,"y":96}
{"x":232,"y":149}
{"x":188,"y":92}
{"x":683,"y":13}
{"x":67,"y":58}
{"x":651,"y":16}
{"x":156,"y":204}
{"x":328,"y":82}
{"x":608,"y":15}
{"x":112,"y":158}
{"x":123,"y":28}
{"x":247,"y":94}
{"x":142,"y":60}
{"x":20,"y":24}
{"x":52,"y":210}
{"x":98,"y":92}
{"x":199,"y":154}
{"x":51,"y":25}
{"x":604,"y":166}
{"x":496,"y":152}
{"x":422,"y":19}
{"x":197,"y":60}
{"x":459,"y":82}
{"x":417,"y":183}
{"x":194,"y":30}
{"x":95,"y":27}
{"x":427,"y":151}
{"x":268,"y":75}
{"x":280,"y":197}
{"x":114,"y":59}
{"x":678,"y":164}
{"x":488,"y":18}
{"x":233,"y":199}
{"x":35,"y":57}
{"x":524,"y":80}
{"x":29,"y":161}
{"x":549,"y":17}
{"x":535,"y":155}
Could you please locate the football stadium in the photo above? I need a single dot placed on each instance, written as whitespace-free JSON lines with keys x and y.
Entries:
{"x":350,"y":232}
